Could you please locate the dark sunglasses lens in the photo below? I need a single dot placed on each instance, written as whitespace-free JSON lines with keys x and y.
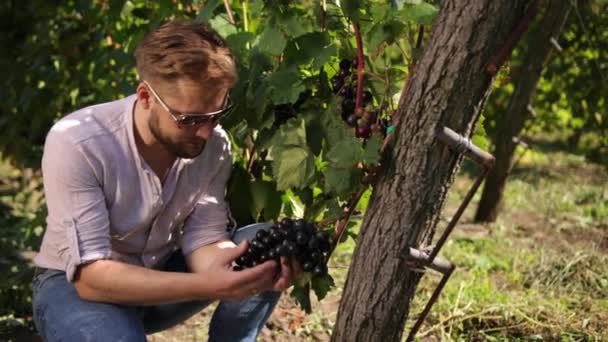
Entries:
{"x":195,"y":120}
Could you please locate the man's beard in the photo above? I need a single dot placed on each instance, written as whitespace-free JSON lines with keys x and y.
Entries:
{"x":183,"y":149}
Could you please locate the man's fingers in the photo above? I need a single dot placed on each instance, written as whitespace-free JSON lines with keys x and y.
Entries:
{"x":258,"y":277}
{"x":232,"y":253}
{"x":295,"y":267}
{"x":285,"y":268}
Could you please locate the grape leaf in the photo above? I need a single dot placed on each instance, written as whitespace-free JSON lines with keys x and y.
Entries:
{"x":292,"y":167}
{"x":351,"y":9}
{"x":334,"y":129}
{"x":322,"y":285}
{"x":239,"y":196}
{"x":206,"y":12}
{"x":422,"y":13}
{"x":302,"y":295}
{"x":292,"y":133}
{"x":221,"y":24}
{"x":338,"y":180}
{"x":293,"y":164}
{"x":271,"y":41}
{"x":345,"y":154}
{"x":313,"y":47}
{"x":264,"y":195}
{"x":294,"y":26}
{"x":371,"y":153}
{"x":238,"y":42}
{"x":285,"y":85}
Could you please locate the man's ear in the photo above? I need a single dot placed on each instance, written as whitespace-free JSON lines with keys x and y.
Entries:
{"x":143,"y":95}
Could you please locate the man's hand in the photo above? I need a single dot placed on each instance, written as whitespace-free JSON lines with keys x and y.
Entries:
{"x":290,"y":269}
{"x":215,"y":261}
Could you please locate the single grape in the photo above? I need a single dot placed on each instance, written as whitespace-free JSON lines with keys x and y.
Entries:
{"x":316,"y":256}
{"x":319,"y":270}
{"x":301,"y":238}
{"x":352,"y":120}
{"x":363,"y":131}
{"x":287,"y":222}
{"x":345,"y":64}
{"x":307,"y":266}
{"x":313,"y":243}
{"x":322,"y":236}
{"x":324,"y":245}
{"x":242,"y":260}
{"x":261,"y":234}
{"x":267,"y":240}
{"x":299,"y":224}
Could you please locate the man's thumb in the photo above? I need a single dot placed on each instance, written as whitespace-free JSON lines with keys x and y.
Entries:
{"x":240,"y":249}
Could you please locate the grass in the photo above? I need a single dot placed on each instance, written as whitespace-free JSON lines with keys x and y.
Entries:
{"x":539,"y":273}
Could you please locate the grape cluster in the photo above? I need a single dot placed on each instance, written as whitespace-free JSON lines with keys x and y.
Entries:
{"x":289,"y":238}
{"x":365,"y":120}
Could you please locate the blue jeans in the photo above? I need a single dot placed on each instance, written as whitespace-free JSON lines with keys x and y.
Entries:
{"x":60,"y":314}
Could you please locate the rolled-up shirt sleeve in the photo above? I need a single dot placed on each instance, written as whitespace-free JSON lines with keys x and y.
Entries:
{"x":76,"y":202}
{"x":208,"y":221}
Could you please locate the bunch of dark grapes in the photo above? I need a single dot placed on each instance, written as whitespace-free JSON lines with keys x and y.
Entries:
{"x":365,"y":120}
{"x":290,"y":238}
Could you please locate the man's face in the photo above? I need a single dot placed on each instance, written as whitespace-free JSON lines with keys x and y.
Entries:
{"x":183,"y":97}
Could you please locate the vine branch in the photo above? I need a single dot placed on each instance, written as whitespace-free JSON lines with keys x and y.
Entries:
{"x":360,"y":67}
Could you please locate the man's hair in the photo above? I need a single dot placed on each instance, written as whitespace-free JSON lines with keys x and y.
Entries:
{"x":186,"y":49}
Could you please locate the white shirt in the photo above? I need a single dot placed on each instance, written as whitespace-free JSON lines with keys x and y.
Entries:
{"x":105,"y":202}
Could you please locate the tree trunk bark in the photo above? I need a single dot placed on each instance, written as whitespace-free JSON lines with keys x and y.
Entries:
{"x":448,"y":87}
{"x":511,"y":124}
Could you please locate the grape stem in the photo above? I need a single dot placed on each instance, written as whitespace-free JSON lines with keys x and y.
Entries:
{"x":360,"y":67}
{"x":343,"y":221}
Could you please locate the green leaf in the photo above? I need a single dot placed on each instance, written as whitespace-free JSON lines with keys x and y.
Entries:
{"x":239,"y":196}
{"x":314,"y":47}
{"x":345,"y":154}
{"x":206,"y":12}
{"x":293,"y":164}
{"x":292,"y":133}
{"x":292,"y":167}
{"x":302,"y":295}
{"x":238,"y":42}
{"x":338,"y":180}
{"x":314,"y":130}
{"x":264,"y":196}
{"x":285,"y":86}
{"x":322,"y":285}
{"x":334,"y":128}
{"x":221,"y":24}
{"x":293,"y":26}
{"x":422,"y":13}
{"x":371,"y":153}
{"x":351,"y":9}
{"x":272,"y":41}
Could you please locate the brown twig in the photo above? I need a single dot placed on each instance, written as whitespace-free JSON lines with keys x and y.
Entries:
{"x":360,"y":67}
{"x":420,"y":36}
{"x":229,"y":11}
{"x":343,"y":221}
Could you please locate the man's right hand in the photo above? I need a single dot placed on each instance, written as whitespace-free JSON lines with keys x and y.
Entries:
{"x":215,"y":267}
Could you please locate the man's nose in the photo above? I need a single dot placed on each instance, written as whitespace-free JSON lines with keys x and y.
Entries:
{"x":204,"y":131}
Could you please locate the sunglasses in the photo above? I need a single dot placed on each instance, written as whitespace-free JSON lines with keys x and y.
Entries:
{"x":194,"y":119}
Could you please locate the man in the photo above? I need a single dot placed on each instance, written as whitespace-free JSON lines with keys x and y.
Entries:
{"x":129,"y":182}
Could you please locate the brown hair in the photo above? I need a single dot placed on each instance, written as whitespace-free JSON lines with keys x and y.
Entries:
{"x":186,"y":49}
